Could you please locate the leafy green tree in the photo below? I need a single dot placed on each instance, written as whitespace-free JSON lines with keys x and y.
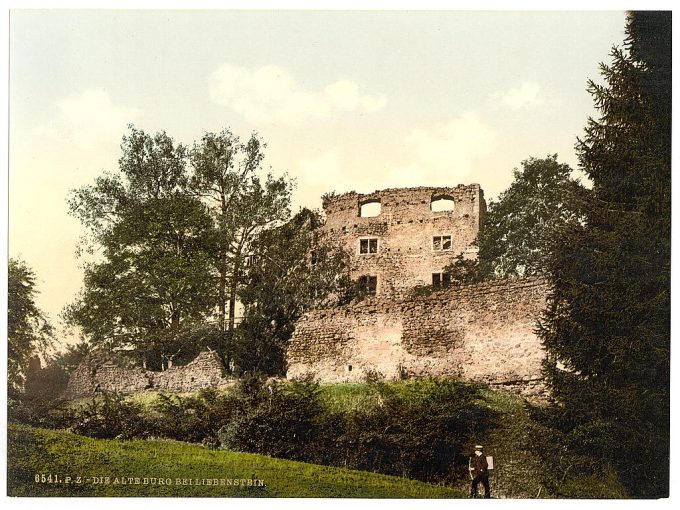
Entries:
{"x":222,"y":166}
{"x":607,"y":328}
{"x":70,"y":357}
{"x":155,"y":241}
{"x":242,"y":203}
{"x":28,"y":329}
{"x":294,"y":268}
{"x":517,"y":230}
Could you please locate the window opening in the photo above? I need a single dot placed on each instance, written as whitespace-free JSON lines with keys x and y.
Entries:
{"x":370,"y":209}
{"x":441,"y":243}
{"x":367,"y":246}
{"x":440,"y":280}
{"x":368,"y":285}
{"x":441,"y":204}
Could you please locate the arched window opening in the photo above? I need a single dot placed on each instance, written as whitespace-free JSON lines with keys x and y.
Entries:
{"x":370,"y":209}
{"x":441,"y":204}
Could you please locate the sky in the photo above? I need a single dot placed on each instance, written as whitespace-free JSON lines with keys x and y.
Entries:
{"x":345,"y":100}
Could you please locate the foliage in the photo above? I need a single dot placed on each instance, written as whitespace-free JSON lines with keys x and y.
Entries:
{"x":195,"y":418}
{"x":607,"y":328}
{"x":110,"y":416}
{"x":47,"y":413}
{"x":295,"y":267}
{"x":517,"y":230}
{"x":155,"y":241}
{"x":28,"y":329}
{"x":46,"y":383}
{"x":279,"y":420}
{"x":422,"y":432}
{"x":70,"y":357}
{"x":464,"y":271}
{"x":32,"y":451}
{"x":242,"y":204}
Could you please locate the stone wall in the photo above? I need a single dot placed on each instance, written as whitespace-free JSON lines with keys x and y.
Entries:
{"x":482,"y":332}
{"x":405,"y":229}
{"x":102,"y":372}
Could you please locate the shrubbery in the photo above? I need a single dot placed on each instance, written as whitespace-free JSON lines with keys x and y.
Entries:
{"x":51,"y":414}
{"x":195,"y":418}
{"x":418,"y":429}
{"x":280,"y":420}
{"x":110,"y":417}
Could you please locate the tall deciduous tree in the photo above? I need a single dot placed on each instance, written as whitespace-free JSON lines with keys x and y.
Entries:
{"x":607,"y":329}
{"x":518,"y":228}
{"x":294,"y":268}
{"x":155,"y":240}
{"x":28,"y":329}
{"x":222,"y":165}
{"x":243,"y":204}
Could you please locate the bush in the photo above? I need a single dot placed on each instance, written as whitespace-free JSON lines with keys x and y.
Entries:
{"x":275,"y":419}
{"x":421,"y":430}
{"x":38,"y":412}
{"x":111,"y":416}
{"x":194,"y":419}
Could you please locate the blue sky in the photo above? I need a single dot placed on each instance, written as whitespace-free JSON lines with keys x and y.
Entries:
{"x":345,"y":101}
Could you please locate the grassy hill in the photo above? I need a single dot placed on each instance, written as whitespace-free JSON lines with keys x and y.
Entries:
{"x":516,"y":466}
{"x":33,"y":451}
{"x":507,"y":436}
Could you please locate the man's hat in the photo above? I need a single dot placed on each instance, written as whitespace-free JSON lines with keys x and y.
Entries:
{"x":479,"y":447}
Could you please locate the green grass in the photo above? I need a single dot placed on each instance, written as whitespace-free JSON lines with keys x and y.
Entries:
{"x":33,"y":451}
{"x":517,"y":467}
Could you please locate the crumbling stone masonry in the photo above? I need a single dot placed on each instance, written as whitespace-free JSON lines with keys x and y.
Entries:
{"x":101,"y":372}
{"x":482,"y":332}
{"x":410,"y":240}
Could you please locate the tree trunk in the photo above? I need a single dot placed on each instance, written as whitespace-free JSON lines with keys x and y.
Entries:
{"x":232,"y":298}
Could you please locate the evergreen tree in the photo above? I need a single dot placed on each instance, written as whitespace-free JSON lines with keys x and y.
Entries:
{"x":607,"y":327}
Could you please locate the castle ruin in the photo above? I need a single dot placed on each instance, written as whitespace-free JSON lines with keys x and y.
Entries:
{"x":399,"y":239}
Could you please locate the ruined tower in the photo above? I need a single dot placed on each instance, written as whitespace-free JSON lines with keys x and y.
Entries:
{"x":401,"y":238}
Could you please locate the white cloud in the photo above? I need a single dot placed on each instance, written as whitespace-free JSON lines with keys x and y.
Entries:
{"x":452,"y":153}
{"x":271,"y":94}
{"x":528,"y":94}
{"x":318,"y":175}
{"x":90,"y":117}
{"x":448,"y":154}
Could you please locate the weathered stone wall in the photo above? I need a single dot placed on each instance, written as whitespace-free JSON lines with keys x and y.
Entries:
{"x":404,"y":229}
{"x":483,"y":332}
{"x":100,"y":372}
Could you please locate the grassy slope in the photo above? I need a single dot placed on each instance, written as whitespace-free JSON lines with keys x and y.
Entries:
{"x":33,"y":450}
{"x":515,"y":473}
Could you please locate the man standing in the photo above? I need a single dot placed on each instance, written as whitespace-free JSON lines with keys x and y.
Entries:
{"x":479,"y":471}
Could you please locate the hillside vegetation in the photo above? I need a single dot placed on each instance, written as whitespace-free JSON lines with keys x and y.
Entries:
{"x":419,"y":429}
{"x":34,"y":451}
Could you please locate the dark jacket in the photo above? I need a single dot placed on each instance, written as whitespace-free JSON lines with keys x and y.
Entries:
{"x":479,"y":464}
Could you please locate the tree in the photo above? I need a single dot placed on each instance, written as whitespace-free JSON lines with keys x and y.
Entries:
{"x":28,"y":329}
{"x":242,"y":203}
{"x":222,"y":166}
{"x":294,"y":268}
{"x":155,"y":240}
{"x":607,"y":327}
{"x":518,"y":228}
